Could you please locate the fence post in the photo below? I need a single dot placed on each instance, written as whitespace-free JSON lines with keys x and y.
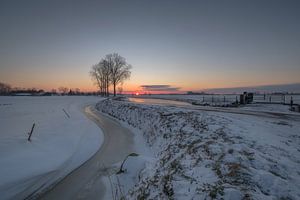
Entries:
{"x":29,"y":137}
{"x":66,"y":113}
{"x":242,"y":99}
{"x":292,"y":102}
{"x":270,"y":99}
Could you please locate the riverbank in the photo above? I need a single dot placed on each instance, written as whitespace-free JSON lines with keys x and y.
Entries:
{"x":207,"y":154}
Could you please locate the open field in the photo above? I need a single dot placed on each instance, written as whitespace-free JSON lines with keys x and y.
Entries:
{"x":61,"y":141}
{"x":227,"y":99}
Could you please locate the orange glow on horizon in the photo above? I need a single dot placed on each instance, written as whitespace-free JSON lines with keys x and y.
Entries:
{"x":190,"y":82}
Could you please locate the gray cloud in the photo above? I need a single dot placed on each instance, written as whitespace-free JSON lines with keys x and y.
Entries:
{"x":159,"y":88}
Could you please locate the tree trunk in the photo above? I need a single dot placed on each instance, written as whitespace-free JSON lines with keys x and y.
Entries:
{"x":107,"y":88}
{"x":103,"y":89}
{"x":114,"y":89}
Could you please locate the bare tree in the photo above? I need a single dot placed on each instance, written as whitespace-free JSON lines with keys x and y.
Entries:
{"x":77,"y":91}
{"x":53,"y":91}
{"x":113,"y":69}
{"x":96,"y":77}
{"x":105,"y":66}
{"x":63,"y":90}
{"x":119,"y":69}
{"x":4,"y":88}
{"x":101,"y":76}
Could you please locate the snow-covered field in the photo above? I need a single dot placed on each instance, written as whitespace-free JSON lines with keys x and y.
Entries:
{"x":203,"y":155}
{"x":278,"y":108}
{"x":58,"y":145}
{"x":259,"y":107}
{"x":223,"y":100}
{"x":214,"y":100}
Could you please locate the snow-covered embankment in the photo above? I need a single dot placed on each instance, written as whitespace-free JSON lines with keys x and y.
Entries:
{"x":58,"y":145}
{"x":218,"y":155}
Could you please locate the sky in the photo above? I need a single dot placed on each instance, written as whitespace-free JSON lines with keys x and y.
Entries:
{"x":172,"y":45}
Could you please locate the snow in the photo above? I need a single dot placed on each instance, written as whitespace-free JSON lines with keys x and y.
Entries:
{"x":278,"y":108}
{"x":58,"y":144}
{"x":256,"y":107}
{"x":202,"y":155}
{"x":213,"y":100}
{"x":223,"y":100}
{"x":119,"y":184}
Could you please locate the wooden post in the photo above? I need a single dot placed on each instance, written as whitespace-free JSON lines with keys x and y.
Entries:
{"x":66,"y":113}
{"x":29,"y":137}
{"x":242,"y":99}
{"x":292,"y":102}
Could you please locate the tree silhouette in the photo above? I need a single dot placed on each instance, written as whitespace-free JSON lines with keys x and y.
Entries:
{"x":113,"y":69}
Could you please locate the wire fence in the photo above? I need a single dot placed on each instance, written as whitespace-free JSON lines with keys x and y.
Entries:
{"x":218,"y":99}
{"x":277,"y":98}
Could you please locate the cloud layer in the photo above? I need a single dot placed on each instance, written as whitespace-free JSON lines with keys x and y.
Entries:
{"x":159,"y":88}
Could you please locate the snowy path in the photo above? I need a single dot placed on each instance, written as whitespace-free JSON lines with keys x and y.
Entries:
{"x":85,"y":181}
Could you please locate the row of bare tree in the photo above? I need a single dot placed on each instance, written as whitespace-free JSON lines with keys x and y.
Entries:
{"x":4,"y":88}
{"x":110,"y":71}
